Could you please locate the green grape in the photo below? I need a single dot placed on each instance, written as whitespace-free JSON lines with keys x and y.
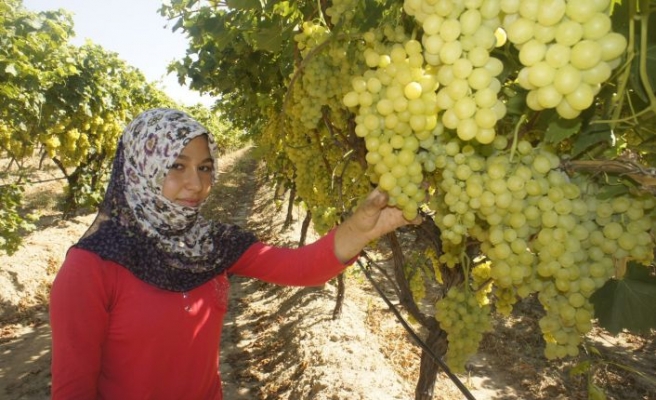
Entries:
{"x":465,"y":319}
{"x":565,"y":54}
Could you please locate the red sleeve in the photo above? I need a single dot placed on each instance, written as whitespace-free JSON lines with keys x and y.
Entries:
{"x":79,"y":315}
{"x":310,"y":265}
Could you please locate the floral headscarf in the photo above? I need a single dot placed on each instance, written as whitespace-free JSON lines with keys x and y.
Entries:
{"x":162,"y":243}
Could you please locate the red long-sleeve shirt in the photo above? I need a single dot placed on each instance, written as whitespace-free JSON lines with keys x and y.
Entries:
{"x":116,"y":337}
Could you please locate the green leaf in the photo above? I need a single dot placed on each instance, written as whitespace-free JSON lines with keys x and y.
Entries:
{"x":613,"y":190}
{"x":244,"y":4}
{"x":629,"y":303}
{"x":636,"y":79}
{"x":516,"y":104}
{"x":580,"y":368}
{"x":559,"y":129}
{"x":594,"y":350}
{"x":595,"y":392}
{"x":268,"y":40}
{"x":594,"y":134}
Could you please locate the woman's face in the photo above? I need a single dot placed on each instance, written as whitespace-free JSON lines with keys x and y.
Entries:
{"x":189,"y":178}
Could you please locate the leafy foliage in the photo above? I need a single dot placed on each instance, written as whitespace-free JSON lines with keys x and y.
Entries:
{"x":242,"y":55}
{"x":67,"y":103}
{"x":84,"y":115}
{"x":31,"y":49}
{"x":628,"y":302}
{"x":12,"y":224}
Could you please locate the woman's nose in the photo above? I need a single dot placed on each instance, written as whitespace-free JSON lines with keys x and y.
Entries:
{"x":193,"y":181}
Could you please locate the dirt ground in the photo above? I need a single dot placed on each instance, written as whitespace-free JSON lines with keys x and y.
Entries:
{"x":282,"y":343}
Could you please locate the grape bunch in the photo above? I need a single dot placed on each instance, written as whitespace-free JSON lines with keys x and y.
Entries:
{"x":567,"y":49}
{"x":397,"y":117}
{"x":74,"y":137}
{"x":342,"y":11}
{"x":15,"y":142}
{"x":458,"y":38}
{"x":542,"y":231}
{"x":464,"y":319}
{"x":315,"y":120}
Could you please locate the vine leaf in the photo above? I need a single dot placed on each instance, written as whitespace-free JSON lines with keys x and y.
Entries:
{"x":594,"y":134}
{"x":559,"y":129}
{"x":268,"y":39}
{"x":629,"y":303}
{"x":244,"y":4}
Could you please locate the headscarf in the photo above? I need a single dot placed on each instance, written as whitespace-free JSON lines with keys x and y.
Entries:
{"x":162,"y":243}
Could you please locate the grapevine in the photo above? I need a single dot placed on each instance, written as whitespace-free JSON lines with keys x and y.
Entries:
{"x":518,"y":129}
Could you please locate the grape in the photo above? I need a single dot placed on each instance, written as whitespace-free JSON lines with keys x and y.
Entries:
{"x":597,"y":27}
{"x":532,"y":52}
{"x":612,"y":46}
{"x":567,"y":44}
{"x":520,"y":31}
{"x":568,"y":33}
{"x":412,"y":90}
{"x":585,"y":54}
{"x":550,"y":12}
{"x":581,"y":98}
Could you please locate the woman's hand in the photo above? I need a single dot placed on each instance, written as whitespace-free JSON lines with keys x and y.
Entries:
{"x":371,"y":220}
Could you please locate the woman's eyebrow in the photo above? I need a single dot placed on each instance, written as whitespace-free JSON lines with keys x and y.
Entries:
{"x":185,"y":157}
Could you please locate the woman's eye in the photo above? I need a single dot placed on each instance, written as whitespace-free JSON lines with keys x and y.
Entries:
{"x":176,"y":166}
{"x":206,"y":168}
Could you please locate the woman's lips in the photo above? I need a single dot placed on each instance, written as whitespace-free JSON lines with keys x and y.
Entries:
{"x":189,"y":202}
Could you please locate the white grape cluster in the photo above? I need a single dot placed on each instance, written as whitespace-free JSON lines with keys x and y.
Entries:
{"x":578,"y":257}
{"x":416,"y":283}
{"x":316,"y":122}
{"x":76,"y":135}
{"x":341,"y":11}
{"x":464,"y":320}
{"x":567,"y":49}
{"x":311,"y":35}
{"x":458,"y":37}
{"x":397,"y":117}
{"x":542,"y":232}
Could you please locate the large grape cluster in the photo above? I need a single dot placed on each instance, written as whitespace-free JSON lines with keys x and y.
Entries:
{"x":397,"y":117}
{"x":427,"y":108}
{"x":541,"y":231}
{"x":316,"y":122}
{"x":458,"y":37}
{"x":567,"y":49}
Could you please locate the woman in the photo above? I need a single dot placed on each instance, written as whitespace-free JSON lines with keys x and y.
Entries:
{"x":138,"y":304}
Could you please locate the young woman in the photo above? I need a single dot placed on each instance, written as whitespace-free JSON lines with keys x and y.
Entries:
{"x":137,"y":307}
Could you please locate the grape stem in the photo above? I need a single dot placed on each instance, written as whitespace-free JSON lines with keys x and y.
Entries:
{"x":644,"y":24}
{"x":522,"y":119}
{"x":641,"y":14}
{"x":483,"y":285}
